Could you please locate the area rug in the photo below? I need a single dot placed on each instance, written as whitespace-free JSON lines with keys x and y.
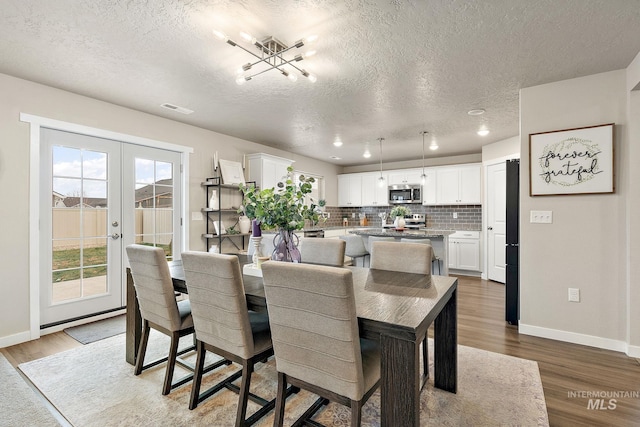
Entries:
{"x":96,"y":331}
{"x":94,"y":386}
{"x":19,"y":404}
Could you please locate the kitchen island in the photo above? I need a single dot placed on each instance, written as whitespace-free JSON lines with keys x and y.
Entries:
{"x":439,"y":240}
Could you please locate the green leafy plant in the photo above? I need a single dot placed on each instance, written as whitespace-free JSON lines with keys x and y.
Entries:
{"x":283,"y":207}
{"x":399,"y":211}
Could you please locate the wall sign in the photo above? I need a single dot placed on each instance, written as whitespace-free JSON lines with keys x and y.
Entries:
{"x":572,"y":161}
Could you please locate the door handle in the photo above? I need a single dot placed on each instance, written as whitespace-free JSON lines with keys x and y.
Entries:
{"x":489,"y":228}
{"x":115,"y":236}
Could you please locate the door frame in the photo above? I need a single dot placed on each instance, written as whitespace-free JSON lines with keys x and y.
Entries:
{"x":485,"y":201}
{"x":36,"y":123}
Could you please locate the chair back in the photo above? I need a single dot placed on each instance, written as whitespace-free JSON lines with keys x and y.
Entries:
{"x":354,"y":246}
{"x":314,"y":327}
{"x":323,"y":251}
{"x":398,"y":256}
{"x":218,"y":302}
{"x":154,"y":287}
{"x":422,"y":242}
{"x":369,"y":240}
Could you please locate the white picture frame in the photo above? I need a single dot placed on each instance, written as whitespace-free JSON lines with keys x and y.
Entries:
{"x":219,"y":227}
{"x":231,"y":172}
{"x":572,"y":161}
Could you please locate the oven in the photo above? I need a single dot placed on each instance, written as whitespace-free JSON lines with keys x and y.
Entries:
{"x":405,"y":193}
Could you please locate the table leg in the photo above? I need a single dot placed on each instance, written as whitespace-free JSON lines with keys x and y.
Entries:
{"x":134,"y":322}
{"x":399,"y":382}
{"x":445,"y":352}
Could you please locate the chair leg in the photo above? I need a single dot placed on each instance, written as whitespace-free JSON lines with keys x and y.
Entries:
{"x":425,"y":358}
{"x":247,"y":369}
{"x":281,"y":397}
{"x":142,"y":349}
{"x":197,"y":375}
{"x":356,"y":413}
{"x":171,"y":363}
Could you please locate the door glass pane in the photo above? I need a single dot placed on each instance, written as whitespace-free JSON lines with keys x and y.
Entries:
{"x":79,"y":228}
{"x":154,"y":214}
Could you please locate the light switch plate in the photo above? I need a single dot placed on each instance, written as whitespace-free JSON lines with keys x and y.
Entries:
{"x":541,"y":217}
{"x":196,"y":216}
{"x":574,"y":295}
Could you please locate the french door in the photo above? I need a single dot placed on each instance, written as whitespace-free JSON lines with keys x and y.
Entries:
{"x":97,"y":196}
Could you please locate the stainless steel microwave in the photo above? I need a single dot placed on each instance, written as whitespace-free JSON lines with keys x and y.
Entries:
{"x":405,"y":193}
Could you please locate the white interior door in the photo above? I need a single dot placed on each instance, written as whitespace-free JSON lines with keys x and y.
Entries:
{"x":496,"y":221}
{"x":80,"y":246}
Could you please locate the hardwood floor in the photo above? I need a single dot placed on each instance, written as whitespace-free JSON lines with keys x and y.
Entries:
{"x":564,"y":368}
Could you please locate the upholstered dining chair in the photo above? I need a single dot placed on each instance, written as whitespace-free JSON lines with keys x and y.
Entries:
{"x":354,"y":248}
{"x":224,"y":326}
{"x":315,"y":336}
{"x":159,"y":309}
{"x":409,"y":258}
{"x":434,"y":257}
{"x":323,"y":251}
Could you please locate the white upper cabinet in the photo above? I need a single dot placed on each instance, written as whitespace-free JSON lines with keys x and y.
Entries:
{"x":429,"y":196}
{"x":350,"y":190}
{"x":405,"y":176}
{"x":458,"y":185}
{"x":267,"y":170}
{"x":373,"y":194}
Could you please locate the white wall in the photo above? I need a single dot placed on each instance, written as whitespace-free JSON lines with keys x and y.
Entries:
{"x":500,"y":149}
{"x":586,"y":246}
{"x":21,"y":96}
{"x":435,"y":161}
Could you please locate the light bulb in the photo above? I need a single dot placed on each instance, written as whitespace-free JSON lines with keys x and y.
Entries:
{"x":366,"y":154}
{"x":423,"y":178}
{"x":312,"y":77}
{"x":240,"y":80}
{"x":220,"y":35}
{"x":311,"y":39}
{"x":248,"y":37}
{"x":292,"y":77}
{"x":309,"y":53}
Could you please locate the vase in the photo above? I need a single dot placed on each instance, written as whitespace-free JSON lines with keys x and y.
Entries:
{"x":399,"y":222}
{"x":244,"y":223}
{"x":285,"y":245}
{"x":213,"y":201}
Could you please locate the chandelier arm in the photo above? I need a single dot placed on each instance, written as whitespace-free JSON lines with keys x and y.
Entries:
{"x":284,"y":61}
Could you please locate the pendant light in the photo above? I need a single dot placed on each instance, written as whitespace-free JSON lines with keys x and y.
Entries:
{"x":423,"y":177}
{"x":381,"y":179}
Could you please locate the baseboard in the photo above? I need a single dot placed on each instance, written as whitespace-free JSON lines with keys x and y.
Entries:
{"x":575,"y":338}
{"x":465,"y":272}
{"x":633,"y":351}
{"x":14,"y":339}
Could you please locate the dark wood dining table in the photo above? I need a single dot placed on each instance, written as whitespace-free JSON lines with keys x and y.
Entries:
{"x":394,"y":308}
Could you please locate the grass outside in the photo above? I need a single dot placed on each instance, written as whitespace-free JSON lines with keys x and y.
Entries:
{"x":67,"y":265}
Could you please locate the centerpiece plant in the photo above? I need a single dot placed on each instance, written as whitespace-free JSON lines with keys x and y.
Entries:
{"x":285,"y":209}
{"x":399,"y":212}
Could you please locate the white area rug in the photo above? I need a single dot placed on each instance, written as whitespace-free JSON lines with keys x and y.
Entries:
{"x":19,"y":404}
{"x":94,"y":386}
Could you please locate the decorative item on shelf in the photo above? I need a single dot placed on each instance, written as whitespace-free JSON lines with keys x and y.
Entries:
{"x":213,"y":249}
{"x":283,"y":208}
{"x":257,"y":253}
{"x":213,"y":201}
{"x":399,"y":212}
{"x":232,"y":172}
{"x":244,"y":224}
{"x":271,"y":57}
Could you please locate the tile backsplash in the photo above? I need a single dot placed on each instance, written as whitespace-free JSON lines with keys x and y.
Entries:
{"x":469,"y":217}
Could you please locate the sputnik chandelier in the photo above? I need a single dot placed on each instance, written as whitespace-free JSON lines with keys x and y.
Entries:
{"x":271,"y":57}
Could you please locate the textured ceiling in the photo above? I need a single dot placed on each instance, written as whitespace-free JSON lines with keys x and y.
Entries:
{"x":385,"y":68}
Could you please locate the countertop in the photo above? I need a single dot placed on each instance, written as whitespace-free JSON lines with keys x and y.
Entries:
{"x":409,"y":233}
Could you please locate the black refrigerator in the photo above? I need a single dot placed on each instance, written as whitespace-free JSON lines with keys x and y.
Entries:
{"x":512,"y":285}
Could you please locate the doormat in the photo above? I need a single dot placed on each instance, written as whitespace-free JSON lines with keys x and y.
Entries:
{"x":96,"y":331}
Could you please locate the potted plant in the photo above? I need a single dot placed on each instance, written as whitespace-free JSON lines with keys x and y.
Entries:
{"x":283,"y":208}
{"x":399,"y":212}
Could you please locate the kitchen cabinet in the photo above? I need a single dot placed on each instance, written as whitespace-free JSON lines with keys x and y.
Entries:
{"x":350,"y":190}
{"x":429,"y":196}
{"x":372,"y":193}
{"x":464,"y":250}
{"x":458,"y":185}
{"x":404,"y":176}
{"x":267,"y":170}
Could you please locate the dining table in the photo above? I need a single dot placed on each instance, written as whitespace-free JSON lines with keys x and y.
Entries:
{"x":394,"y":308}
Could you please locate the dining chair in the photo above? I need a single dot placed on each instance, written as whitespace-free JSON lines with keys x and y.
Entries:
{"x":434,"y":257}
{"x":369,"y":239}
{"x":323,"y":251}
{"x":354,"y":248}
{"x":225,"y":326}
{"x":408,"y":258}
{"x":159,"y":310}
{"x":315,"y":336}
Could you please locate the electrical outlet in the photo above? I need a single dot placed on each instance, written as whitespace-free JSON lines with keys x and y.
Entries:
{"x":455,"y":215}
{"x":541,"y":217}
{"x":574,"y":295}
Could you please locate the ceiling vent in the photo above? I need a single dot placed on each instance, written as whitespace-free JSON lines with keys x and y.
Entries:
{"x":176,"y":108}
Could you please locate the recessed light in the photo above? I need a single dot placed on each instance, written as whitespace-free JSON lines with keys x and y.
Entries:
{"x":476,"y":112}
{"x":366,"y":154}
{"x":433,"y":146}
{"x":483,"y":132}
{"x":337,"y":143}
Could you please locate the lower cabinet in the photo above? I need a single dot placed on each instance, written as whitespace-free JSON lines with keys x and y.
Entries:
{"x":464,"y":250}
